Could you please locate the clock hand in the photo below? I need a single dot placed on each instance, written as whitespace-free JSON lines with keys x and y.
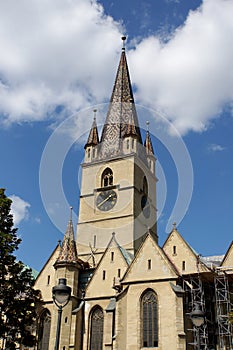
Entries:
{"x":105,"y":200}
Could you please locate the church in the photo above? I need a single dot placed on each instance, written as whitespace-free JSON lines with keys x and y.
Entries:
{"x":127,"y":292}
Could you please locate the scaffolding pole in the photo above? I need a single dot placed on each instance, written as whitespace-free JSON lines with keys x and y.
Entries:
{"x":223,"y":311}
{"x":200,"y":334}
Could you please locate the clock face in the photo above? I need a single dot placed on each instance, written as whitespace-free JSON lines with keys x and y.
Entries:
{"x":145,"y":205}
{"x":106,"y":200}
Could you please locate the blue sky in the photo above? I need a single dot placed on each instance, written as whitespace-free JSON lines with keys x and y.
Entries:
{"x":59,"y":61}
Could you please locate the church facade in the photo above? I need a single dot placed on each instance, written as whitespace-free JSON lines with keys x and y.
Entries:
{"x":127,"y":292}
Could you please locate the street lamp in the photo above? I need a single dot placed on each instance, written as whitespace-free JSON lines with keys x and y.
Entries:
{"x":198,"y":318}
{"x":61,"y":296}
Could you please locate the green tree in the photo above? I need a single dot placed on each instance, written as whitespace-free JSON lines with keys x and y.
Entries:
{"x":17,"y":296}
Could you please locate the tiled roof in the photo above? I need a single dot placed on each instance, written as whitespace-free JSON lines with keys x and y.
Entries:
{"x":93,"y":138}
{"x":148,"y":144}
{"x":68,"y":253}
{"x":121,"y":112}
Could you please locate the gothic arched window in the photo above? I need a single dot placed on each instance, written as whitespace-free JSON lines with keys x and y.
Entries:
{"x":107,"y":178}
{"x":44,"y":330}
{"x":149,"y":319}
{"x":96,"y":329}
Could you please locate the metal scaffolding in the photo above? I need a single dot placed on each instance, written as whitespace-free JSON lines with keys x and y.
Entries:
{"x":224,"y":309}
{"x":197,"y":298}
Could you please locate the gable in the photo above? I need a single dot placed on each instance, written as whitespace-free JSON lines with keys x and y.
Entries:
{"x":228,"y":258}
{"x":150,"y":263}
{"x":112,"y":265}
{"x":182,"y":255}
{"x":46,"y":278}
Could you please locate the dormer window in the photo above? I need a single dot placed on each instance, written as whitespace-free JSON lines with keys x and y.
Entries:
{"x":107,"y":178}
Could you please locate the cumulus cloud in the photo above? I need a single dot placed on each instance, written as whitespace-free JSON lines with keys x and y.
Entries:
{"x":190,"y":77}
{"x":54,"y":53}
{"x":62,"y":56}
{"x":19,"y":209}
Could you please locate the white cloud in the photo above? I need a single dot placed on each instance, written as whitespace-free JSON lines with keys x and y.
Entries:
{"x":19,"y":209}
{"x":38,"y":220}
{"x":190,"y":77}
{"x":65,"y":53}
{"x":215,"y":148}
{"x":54,"y":53}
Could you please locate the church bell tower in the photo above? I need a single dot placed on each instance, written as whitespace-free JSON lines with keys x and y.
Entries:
{"x":118,"y":188}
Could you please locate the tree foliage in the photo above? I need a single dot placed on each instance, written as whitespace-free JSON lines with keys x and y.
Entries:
{"x":17,"y":296}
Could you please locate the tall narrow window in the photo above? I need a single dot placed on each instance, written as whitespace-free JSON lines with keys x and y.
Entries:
{"x":149,"y":264}
{"x":149,"y":316}
{"x":183,"y":265}
{"x":112,"y":256}
{"x":96,"y":329}
{"x":107,"y":178}
{"x":174,"y":250}
{"x":104,"y":274}
{"x":44,"y":330}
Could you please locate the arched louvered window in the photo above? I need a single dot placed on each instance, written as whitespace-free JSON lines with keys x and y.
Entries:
{"x":107,"y":178}
{"x":96,"y":329}
{"x":44,"y":330}
{"x":149,"y":318}
{"x":145,"y":186}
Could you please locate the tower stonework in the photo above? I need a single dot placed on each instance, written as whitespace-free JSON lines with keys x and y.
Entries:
{"x":118,"y":189}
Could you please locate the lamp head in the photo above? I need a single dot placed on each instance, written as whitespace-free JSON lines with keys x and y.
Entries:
{"x":61,"y":293}
{"x":197,"y":316}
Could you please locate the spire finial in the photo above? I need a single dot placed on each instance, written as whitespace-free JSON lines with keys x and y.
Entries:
{"x":94,"y":111}
{"x":71,"y":212}
{"x":123,"y":38}
{"x":174,"y":226}
{"x":147,"y":125}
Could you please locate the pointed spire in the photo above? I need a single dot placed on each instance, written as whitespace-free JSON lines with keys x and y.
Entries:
{"x":148,"y":142}
{"x":121,"y":111}
{"x":68,"y":253}
{"x":93,"y":138}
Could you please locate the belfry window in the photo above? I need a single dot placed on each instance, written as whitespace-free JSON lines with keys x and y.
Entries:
{"x":107,"y":178}
{"x":149,"y":317}
{"x":145,"y":186}
{"x":96,"y":329}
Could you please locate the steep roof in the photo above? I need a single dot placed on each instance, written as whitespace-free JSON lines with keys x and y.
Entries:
{"x":121,"y":112}
{"x":68,"y":253}
{"x":131,"y":130}
{"x":93,"y":138}
{"x":148,"y":144}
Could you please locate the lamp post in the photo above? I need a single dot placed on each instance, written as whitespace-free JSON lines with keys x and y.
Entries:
{"x":61,"y":296}
{"x":198,"y":318}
